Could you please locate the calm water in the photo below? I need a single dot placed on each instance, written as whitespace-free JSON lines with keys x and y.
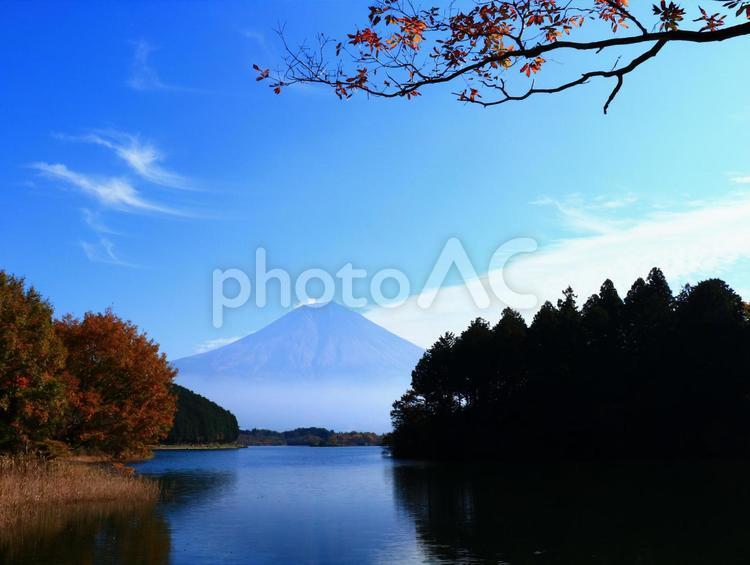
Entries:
{"x":351,"y":505}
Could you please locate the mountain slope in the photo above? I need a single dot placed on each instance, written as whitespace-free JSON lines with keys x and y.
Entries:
{"x":317,"y":365}
{"x":309,"y":341}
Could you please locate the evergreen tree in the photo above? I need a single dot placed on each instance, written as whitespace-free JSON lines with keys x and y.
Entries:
{"x":712,"y":355}
{"x":650,"y":376}
{"x":199,"y":420}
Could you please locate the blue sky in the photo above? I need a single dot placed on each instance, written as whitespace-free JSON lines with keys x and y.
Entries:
{"x":139,"y":154}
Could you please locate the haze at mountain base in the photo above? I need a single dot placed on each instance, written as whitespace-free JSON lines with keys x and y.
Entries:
{"x":316,"y":366}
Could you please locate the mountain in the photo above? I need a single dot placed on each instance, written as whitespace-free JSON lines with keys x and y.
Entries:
{"x":320,"y":365}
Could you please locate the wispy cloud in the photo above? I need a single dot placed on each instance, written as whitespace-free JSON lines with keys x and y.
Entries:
{"x":741,"y":179}
{"x":611,"y":203}
{"x":687,"y":245}
{"x":586,"y":216}
{"x":742,"y":115}
{"x":103,"y":251}
{"x":211,"y":344}
{"x":116,"y":193}
{"x":143,"y":76}
{"x":259,"y":39}
{"x":255,"y":36}
{"x":113,"y":192}
{"x":94,"y":221}
{"x":141,"y":156}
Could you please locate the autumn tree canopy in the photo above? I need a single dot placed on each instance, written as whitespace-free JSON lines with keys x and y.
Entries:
{"x":98,"y":383}
{"x":31,"y":362}
{"x":493,"y":52}
{"x":119,"y":385}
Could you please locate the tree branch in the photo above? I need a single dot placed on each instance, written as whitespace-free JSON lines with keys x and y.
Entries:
{"x":661,"y":38}
{"x":538,"y":50}
{"x":425,"y":47}
{"x":584,"y":78}
{"x":627,"y":15}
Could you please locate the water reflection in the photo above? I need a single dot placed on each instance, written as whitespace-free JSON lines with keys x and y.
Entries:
{"x":180,"y":488}
{"x":350,"y":505}
{"x":579,"y":514}
{"x":112,"y":532}
{"x":90,"y":533}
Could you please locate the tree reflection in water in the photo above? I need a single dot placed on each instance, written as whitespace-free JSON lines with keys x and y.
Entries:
{"x":89,"y":533}
{"x":635,"y":513}
{"x":110,"y":532}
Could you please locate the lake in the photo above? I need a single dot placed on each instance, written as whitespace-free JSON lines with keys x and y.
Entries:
{"x":352,"y":505}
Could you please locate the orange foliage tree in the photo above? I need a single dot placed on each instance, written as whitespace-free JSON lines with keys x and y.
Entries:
{"x":496,"y":50}
{"x":119,"y":385}
{"x":31,"y":360}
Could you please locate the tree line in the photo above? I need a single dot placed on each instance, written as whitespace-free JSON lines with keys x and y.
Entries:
{"x":652,"y":375}
{"x":94,"y":384}
{"x":199,"y":420}
{"x":314,"y":437}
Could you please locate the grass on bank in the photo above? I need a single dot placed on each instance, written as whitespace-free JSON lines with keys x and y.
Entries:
{"x":30,"y":484}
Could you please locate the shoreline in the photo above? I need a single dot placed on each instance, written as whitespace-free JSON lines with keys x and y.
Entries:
{"x":29,"y":486}
{"x":197,"y":447}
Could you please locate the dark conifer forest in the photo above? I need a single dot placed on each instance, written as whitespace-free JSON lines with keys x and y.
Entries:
{"x":650,"y":376}
{"x":199,"y":420}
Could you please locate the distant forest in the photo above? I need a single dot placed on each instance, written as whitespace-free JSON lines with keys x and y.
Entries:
{"x":199,"y":420}
{"x":315,"y":437}
{"x":652,"y":375}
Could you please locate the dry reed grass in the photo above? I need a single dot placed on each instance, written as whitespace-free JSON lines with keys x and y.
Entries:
{"x":28,"y":484}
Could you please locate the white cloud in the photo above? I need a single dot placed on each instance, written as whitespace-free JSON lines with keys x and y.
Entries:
{"x":103,"y":252}
{"x":742,"y":115}
{"x":579,"y":218}
{"x":143,"y":76}
{"x":741,"y":180}
{"x":262,"y":46}
{"x":116,"y":192}
{"x":211,"y":344}
{"x":612,"y":203}
{"x":255,"y":36}
{"x":141,"y":156}
{"x":113,"y":192}
{"x":94,"y":221}
{"x":687,"y":245}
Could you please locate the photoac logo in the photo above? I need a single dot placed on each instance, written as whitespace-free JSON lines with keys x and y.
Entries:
{"x":341,"y":283}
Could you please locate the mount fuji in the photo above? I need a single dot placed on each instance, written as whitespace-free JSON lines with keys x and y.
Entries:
{"x":319,"y":365}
